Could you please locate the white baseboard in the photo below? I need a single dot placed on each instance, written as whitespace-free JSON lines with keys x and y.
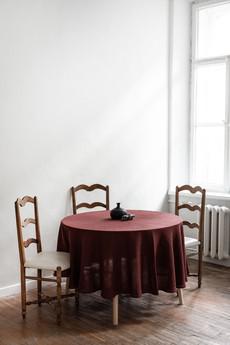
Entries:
{"x":15,"y":288}
{"x":224,"y":262}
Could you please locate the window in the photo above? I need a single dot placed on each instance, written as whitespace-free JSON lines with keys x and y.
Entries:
{"x":210,"y":102}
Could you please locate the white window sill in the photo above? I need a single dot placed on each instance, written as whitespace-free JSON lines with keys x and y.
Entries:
{"x":210,"y":196}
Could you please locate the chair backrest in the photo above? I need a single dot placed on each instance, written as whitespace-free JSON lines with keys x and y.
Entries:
{"x":93,"y":187}
{"x":200,"y":207}
{"x":21,"y":224}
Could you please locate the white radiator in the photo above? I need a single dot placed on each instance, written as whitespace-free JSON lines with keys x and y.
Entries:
{"x":217,"y":232}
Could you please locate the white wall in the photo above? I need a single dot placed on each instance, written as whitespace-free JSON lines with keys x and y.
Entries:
{"x":180,"y":67}
{"x":83,"y":99}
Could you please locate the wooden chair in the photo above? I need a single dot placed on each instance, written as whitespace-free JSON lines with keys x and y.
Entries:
{"x":51,"y":261}
{"x":76,"y":206}
{"x":93,"y":187}
{"x":198,"y":242}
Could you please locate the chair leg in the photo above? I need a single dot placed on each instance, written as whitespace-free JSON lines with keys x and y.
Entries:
{"x":58,"y":295}
{"x":39,"y":287}
{"x":115,"y":310}
{"x":200,"y":255}
{"x":23,"y":292}
{"x":77,"y":298}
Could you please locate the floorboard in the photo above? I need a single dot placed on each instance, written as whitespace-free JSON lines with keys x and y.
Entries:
{"x":203,"y":319}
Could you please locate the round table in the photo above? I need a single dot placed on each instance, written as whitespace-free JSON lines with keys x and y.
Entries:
{"x":146,"y":254}
{"x":143,"y":255}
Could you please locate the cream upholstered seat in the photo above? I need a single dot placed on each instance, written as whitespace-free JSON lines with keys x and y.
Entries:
{"x":190,"y":242}
{"x":199,"y":226}
{"x":53,"y":261}
{"x":49,"y":261}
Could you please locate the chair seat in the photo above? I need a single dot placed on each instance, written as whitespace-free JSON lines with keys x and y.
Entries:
{"x":190,"y":242}
{"x":49,"y":261}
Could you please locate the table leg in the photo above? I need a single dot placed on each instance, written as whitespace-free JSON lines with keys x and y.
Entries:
{"x":180,"y":295}
{"x":67,"y":285}
{"x":115,"y":310}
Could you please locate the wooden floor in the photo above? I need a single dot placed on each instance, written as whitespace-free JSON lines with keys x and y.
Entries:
{"x":204,"y":319}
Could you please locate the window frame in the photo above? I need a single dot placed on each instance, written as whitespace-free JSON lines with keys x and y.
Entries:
{"x":195,"y":61}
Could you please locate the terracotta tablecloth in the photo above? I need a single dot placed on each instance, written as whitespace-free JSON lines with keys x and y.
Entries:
{"x":143,"y":255}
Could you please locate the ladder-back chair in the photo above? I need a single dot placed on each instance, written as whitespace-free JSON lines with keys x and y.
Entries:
{"x":91,"y":188}
{"x":190,"y":242}
{"x":51,"y":261}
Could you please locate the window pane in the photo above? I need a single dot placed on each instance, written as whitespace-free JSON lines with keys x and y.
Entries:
{"x":209,"y":156}
{"x":210,"y":93}
{"x":213,"y":31}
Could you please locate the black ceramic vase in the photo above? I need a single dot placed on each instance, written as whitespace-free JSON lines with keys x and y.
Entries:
{"x":117,"y":212}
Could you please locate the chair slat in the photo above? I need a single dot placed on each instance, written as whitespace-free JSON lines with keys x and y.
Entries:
{"x":191,"y":225}
{"x":27,"y":242}
{"x":22,"y":202}
{"x":190,"y":189}
{"x":90,"y":188}
{"x":28,"y":221}
{"x":190,"y":207}
{"x":87,"y":205}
